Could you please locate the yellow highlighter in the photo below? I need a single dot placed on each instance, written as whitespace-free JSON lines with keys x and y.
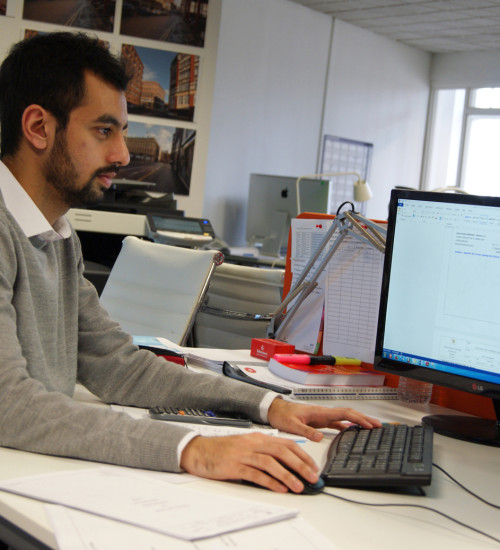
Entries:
{"x":303,"y":359}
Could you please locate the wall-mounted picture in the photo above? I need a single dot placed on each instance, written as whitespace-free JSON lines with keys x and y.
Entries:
{"x":3,"y":7}
{"x":162,"y":155}
{"x":97,"y":15}
{"x":28,"y":33}
{"x":177,"y":21}
{"x":162,"y":83}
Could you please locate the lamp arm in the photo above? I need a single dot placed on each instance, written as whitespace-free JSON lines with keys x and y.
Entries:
{"x":314,"y":278}
{"x":290,"y":296}
{"x":312,"y":260}
{"x":374,"y":234}
{"x":300,"y":284}
{"x":368,"y":232}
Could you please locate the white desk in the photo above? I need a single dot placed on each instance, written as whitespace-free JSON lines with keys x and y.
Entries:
{"x":349,"y":526}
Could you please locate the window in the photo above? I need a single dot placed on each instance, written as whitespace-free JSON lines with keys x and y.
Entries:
{"x":463,"y":147}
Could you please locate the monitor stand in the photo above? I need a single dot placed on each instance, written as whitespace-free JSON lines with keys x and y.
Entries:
{"x":468,"y":428}
{"x":273,"y":243}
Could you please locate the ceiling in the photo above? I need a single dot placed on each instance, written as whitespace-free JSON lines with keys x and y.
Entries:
{"x":438,"y":26}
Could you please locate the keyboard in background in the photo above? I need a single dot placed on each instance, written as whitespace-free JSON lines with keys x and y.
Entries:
{"x":391,"y":456}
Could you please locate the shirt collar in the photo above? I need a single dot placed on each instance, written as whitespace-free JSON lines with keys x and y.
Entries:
{"x":26,"y":212}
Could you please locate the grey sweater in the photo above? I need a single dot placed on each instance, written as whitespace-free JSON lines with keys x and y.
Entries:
{"x":54,"y":332}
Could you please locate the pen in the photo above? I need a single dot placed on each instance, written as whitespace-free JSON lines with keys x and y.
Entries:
{"x":301,"y":359}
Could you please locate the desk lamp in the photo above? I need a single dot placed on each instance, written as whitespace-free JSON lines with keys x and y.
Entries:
{"x":348,"y":222}
{"x":361,"y":191}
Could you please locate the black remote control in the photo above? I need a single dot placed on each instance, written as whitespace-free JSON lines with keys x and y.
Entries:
{"x":198,"y":416}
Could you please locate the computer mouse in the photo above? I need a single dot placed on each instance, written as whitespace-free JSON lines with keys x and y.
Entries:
{"x":309,"y":488}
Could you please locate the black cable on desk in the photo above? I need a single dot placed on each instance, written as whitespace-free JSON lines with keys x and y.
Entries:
{"x":465,"y":488}
{"x":428,"y":508}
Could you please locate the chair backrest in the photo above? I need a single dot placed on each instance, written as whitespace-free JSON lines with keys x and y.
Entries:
{"x":156,"y":289}
{"x":237,"y":306}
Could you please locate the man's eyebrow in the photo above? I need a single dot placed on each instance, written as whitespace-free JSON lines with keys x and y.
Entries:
{"x":110,"y":119}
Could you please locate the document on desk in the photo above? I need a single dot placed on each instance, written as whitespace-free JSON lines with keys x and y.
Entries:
{"x":166,"y":508}
{"x":209,"y":358}
{"x":75,"y":530}
{"x":354,"y":278}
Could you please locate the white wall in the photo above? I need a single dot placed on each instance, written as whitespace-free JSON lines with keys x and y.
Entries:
{"x":378,"y":92}
{"x":273,"y":63}
{"x":466,"y":69}
{"x":267,"y":102}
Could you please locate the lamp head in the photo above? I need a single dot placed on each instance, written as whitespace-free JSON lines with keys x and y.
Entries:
{"x":362,"y":191}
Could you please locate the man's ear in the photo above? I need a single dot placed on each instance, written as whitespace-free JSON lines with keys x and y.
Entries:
{"x":38,"y":127}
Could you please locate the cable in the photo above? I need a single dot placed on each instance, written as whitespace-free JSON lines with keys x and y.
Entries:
{"x":415,"y":506}
{"x":465,"y":488}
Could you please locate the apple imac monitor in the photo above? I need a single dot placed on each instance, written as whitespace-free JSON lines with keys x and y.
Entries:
{"x":272,"y":203}
{"x":439,"y":317}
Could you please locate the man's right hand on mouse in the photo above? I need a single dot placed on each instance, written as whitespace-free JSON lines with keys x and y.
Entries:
{"x":253,"y":457}
{"x":262,"y":459}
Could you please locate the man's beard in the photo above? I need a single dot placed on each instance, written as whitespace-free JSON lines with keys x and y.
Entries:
{"x":61,"y":173}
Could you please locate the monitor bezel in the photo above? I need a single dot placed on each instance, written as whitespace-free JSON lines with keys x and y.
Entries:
{"x":390,"y":366}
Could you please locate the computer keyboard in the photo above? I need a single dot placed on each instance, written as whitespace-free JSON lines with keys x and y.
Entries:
{"x":391,"y":456}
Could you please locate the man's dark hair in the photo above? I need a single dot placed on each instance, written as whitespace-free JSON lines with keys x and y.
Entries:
{"x":49,"y":70}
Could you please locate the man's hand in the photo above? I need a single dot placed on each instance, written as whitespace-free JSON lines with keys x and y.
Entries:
{"x":300,"y":419}
{"x":253,"y":457}
{"x":260,"y":458}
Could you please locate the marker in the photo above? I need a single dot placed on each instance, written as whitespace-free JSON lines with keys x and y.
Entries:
{"x":301,"y":359}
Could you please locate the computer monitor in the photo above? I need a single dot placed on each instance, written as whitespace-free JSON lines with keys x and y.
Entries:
{"x":272,"y":203}
{"x":439,"y":317}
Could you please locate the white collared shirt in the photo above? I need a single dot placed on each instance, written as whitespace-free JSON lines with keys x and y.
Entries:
{"x":26,"y":212}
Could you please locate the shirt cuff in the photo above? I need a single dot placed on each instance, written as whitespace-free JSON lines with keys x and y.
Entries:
{"x":182,"y":444}
{"x":265,"y":404}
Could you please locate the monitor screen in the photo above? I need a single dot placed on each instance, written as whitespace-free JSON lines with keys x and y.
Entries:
{"x":439,"y":317}
{"x":272,"y":204}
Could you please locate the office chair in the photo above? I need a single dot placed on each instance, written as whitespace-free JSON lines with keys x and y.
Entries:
{"x":156,"y":289}
{"x":238,"y":306}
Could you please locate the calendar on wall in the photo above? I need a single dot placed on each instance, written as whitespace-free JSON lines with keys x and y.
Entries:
{"x":345,"y":155}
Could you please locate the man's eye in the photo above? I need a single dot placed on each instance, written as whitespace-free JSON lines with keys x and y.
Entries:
{"x":105,"y":131}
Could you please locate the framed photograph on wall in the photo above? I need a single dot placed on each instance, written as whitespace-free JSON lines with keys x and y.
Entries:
{"x":162,"y":155}
{"x":177,"y":21}
{"x":162,"y":83}
{"x":85,"y":14}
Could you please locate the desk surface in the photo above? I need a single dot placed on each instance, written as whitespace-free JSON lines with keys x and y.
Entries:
{"x":347,"y":525}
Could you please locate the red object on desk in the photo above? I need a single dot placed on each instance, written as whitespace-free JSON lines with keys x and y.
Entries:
{"x":265,"y":348}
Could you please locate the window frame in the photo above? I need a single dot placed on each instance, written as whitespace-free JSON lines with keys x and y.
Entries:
{"x":468,"y":112}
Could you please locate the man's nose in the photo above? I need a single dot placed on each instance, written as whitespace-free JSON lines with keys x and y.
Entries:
{"x":119,"y":153}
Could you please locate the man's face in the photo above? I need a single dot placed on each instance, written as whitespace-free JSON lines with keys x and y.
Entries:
{"x":87,"y":154}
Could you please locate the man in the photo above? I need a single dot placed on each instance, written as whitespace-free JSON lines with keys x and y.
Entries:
{"x":63,"y":121}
